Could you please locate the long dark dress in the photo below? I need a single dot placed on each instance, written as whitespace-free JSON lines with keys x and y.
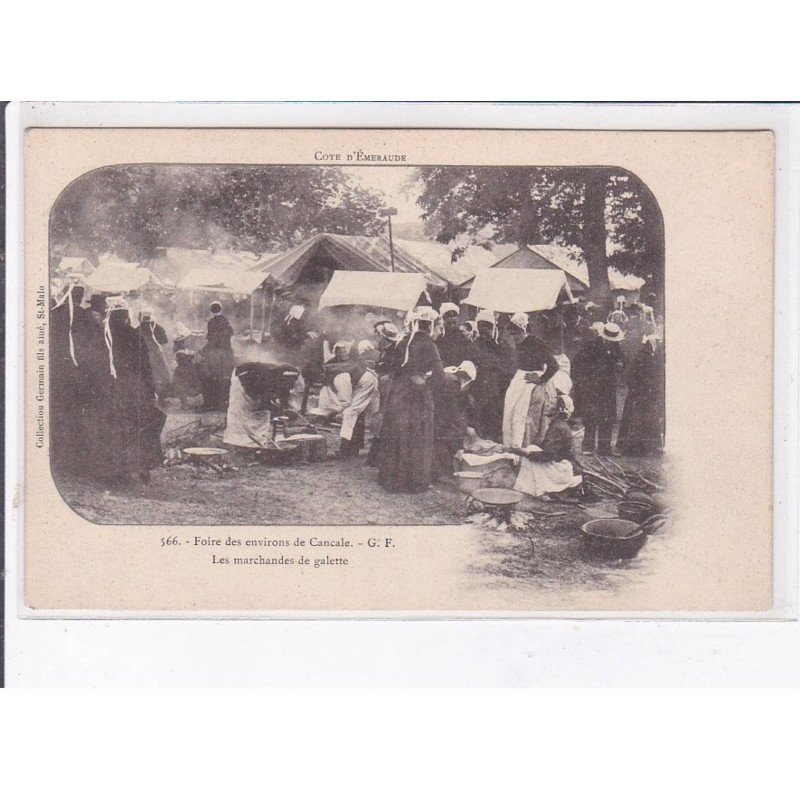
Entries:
{"x":73,"y":386}
{"x":385,"y":367}
{"x":406,"y":459}
{"x":496,"y":364}
{"x":641,"y":429}
{"x":154,"y":336}
{"x":125,"y":424}
{"x":451,"y":416}
{"x":217,"y":363}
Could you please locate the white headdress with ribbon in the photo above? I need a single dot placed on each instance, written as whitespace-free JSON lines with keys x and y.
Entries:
{"x":419,"y":314}
{"x":521,"y":320}
{"x":114,"y":304}
{"x":71,"y":305}
{"x":448,"y":308}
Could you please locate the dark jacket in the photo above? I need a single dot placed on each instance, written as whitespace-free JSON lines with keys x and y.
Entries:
{"x":595,"y":372}
{"x":454,"y":348}
{"x":219,"y":333}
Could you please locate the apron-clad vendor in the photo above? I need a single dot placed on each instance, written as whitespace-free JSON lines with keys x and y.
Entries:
{"x":553,"y":468}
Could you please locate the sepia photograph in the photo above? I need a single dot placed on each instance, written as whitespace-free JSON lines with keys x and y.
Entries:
{"x":322,"y":345}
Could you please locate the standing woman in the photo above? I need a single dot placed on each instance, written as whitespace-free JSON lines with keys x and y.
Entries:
{"x":154,"y":336}
{"x":389,"y":341}
{"x":217,"y":360}
{"x":641,"y":430}
{"x":127,"y":423}
{"x":496,"y":364}
{"x":407,"y":439}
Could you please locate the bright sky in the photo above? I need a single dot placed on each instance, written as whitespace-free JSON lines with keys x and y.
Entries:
{"x":391,"y":181}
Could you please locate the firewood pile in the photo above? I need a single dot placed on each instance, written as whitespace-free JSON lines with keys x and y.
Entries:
{"x":192,"y":433}
{"x":609,"y":479}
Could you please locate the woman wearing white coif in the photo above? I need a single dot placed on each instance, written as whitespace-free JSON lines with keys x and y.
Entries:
{"x":530,"y":396}
{"x":126,"y":425}
{"x":551,"y":469}
{"x":154,"y":337}
{"x":495,"y":362}
{"x":406,"y":457}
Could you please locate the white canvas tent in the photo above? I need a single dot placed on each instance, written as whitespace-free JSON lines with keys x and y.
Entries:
{"x":512,"y":290}
{"x":119,"y":277}
{"x":396,"y":290}
{"x":238,"y":282}
{"x":75,"y":265}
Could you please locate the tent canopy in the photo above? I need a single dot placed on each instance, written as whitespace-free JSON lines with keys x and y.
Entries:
{"x":209,"y":279}
{"x":512,"y":290}
{"x":438,"y":258}
{"x":75,"y":265}
{"x":397,"y":290}
{"x":119,"y":277}
{"x":343,"y":252}
{"x":173,"y":264}
{"x":570,"y":260}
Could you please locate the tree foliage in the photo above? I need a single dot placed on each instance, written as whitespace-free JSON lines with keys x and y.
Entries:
{"x":132,"y":210}
{"x":610,"y":214}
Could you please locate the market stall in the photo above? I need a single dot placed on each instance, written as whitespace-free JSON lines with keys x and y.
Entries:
{"x":400,"y":291}
{"x":512,"y":290}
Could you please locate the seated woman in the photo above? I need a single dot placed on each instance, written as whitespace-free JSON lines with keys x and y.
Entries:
{"x":551,"y":469}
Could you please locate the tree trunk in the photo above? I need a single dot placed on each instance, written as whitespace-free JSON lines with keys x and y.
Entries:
{"x":594,"y":236}
{"x":654,"y":220}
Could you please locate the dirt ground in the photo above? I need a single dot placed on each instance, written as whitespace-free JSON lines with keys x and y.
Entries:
{"x":335,"y":492}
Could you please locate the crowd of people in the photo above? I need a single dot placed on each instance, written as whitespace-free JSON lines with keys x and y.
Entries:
{"x":443,"y":378}
{"x":110,"y":375}
{"x":418,"y":387}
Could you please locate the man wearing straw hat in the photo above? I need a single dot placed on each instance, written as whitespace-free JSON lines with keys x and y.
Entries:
{"x":595,"y":372}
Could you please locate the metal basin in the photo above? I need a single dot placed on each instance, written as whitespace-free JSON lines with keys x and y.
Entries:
{"x":498,"y":497}
{"x":468,"y":482}
{"x":613,"y":538}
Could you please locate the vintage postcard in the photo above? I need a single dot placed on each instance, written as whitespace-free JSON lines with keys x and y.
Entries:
{"x":276,"y":371}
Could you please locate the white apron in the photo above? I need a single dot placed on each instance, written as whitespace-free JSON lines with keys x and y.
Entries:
{"x":243,"y":420}
{"x":334,"y":400}
{"x":524,"y":420}
{"x":538,"y":478}
{"x":360,"y":402}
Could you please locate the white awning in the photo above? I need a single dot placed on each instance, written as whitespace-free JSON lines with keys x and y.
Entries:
{"x":512,"y":290}
{"x":119,"y":278}
{"x":239,"y":282}
{"x":397,"y":290}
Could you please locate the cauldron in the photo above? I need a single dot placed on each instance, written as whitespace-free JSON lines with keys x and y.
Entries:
{"x":634,"y":510}
{"x":613,"y":538}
